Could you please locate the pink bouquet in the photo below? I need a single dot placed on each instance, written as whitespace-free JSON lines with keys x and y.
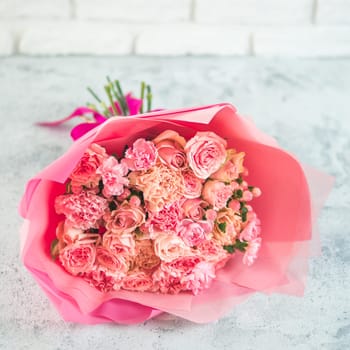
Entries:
{"x":151,"y":213}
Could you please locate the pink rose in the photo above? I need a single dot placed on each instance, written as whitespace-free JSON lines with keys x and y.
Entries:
{"x":216,"y":193}
{"x":232,"y":168}
{"x":78,"y":258}
{"x":251,"y":252}
{"x":124,"y":196}
{"x":235,"y":205}
{"x":206,"y":152}
{"x":141,"y":156}
{"x":113,"y":262}
{"x":103,"y":279}
{"x":138,"y":281}
{"x":113,"y":177}
{"x":211,"y":215}
{"x":81,"y":210}
{"x":119,"y":244}
{"x":160,"y":186}
{"x":193,"y":233}
{"x":169,"y":247}
{"x":193,"y":185}
{"x":164,"y":220}
{"x":194,"y":208}
{"x":125,"y":219}
{"x":170,"y":147}
{"x":145,"y":258}
{"x":84,"y":174}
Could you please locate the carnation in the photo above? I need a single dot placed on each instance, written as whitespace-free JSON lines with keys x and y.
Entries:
{"x":81,"y":210}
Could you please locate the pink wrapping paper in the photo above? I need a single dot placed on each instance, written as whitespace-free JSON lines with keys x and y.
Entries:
{"x":287,"y":212}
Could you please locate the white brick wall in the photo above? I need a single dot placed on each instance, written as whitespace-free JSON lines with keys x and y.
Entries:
{"x":134,"y":10}
{"x":310,"y":28}
{"x":333,"y":12}
{"x":254,"y":12}
{"x":35,"y":8}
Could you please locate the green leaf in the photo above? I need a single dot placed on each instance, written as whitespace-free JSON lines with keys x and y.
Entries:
{"x":241,"y":245}
{"x":222,"y":226}
{"x":239,"y":180}
{"x":112,"y":206}
{"x":229,"y":248}
{"x":244,"y":212}
{"x":238,"y":194}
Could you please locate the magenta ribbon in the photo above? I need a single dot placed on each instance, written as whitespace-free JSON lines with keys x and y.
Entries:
{"x":134,"y":106}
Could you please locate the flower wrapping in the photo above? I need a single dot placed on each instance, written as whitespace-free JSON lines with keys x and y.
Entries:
{"x":292,"y":198}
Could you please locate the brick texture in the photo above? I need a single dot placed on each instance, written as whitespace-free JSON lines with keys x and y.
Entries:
{"x":334,"y":12}
{"x":35,"y":8}
{"x":135,"y":10}
{"x":254,"y":12}
{"x":76,"y":38}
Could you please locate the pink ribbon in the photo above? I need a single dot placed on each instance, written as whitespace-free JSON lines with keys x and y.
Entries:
{"x":134,"y":106}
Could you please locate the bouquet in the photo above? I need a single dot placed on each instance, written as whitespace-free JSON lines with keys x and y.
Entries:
{"x":156,"y":212}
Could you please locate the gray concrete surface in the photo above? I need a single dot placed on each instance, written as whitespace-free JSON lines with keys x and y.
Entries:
{"x":305,"y":104}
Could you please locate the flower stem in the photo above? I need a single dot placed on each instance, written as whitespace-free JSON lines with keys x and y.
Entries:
{"x":103,"y":105}
{"x":109,"y":94}
{"x":149,"y":98}
{"x":123,"y":103}
{"x":143,"y":87}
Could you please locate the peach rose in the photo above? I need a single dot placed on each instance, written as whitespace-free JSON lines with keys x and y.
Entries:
{"x":125,"y":219}
{"x":160,"y":186}
{"x":84,"y":173}
{"x":145,"y":258}
{"x":216,"y":193}
{"x":120,"y":244}
{"x":169,"y":247}
{"x":68,"y":235}
{"x":113,"y":262}
{"x":137,"y":281}
{"x":227,"y":226}
{"x":194,"y":208}
{"x":232,"y":168}
{"x":78,"y":258}
{"x":206,"y":152}
{"x":170,"y":147}
{"x":171,"y":136}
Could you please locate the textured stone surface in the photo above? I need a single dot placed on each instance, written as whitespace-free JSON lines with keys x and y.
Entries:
{"x":303,"y":103}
